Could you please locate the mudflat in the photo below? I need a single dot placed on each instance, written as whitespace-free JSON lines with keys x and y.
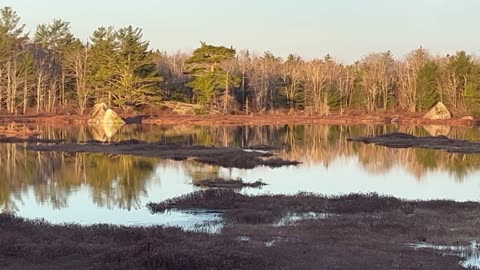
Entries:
{"x":223,"y":156}
{"x":402,"y":140}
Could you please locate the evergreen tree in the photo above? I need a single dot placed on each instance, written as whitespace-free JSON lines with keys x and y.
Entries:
{"x":210,"y":80}
{"x":293,"y":83}
{"x":426,"y":91}
{"x":459,"y":70}
{"x":102,"y":63}
{"x":13,"y":41}
{"x":472,"y":91}
{"x":122,"y":70}
{"x":136,"y":81}
{"x":10,"y":26}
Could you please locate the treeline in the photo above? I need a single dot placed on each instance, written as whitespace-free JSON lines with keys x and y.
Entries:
{"x":51,"y":70}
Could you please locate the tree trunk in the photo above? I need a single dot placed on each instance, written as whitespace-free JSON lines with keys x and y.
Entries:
{"x":25,"y":92}
{"x":62,"y":86}
{"x":225,"y":104}
{"x":39,"y":90}
{"x":9,"y":86}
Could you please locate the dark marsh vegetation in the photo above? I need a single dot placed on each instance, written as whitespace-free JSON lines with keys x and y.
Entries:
{"x":364,"y":226}
{"x":227,"y":183}
{"x":402,"y":140}
{"x":223,"y":156}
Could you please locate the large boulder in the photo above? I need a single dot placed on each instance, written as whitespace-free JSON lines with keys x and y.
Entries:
{"x":439,"y":111}
{"x":101,"y":114}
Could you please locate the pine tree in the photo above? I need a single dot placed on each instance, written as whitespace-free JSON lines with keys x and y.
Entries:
{"x":136,"y":81}
{"x":12,"y":53}
{"x":210,"y":80}
{"x":426,"y":91}
{"x":122,"y":69}
{"x":102,"y":61}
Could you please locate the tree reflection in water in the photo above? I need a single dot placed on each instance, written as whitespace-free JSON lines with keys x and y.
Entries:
{"x":120,"y":181}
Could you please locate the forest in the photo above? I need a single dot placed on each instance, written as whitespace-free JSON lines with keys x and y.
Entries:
{"x":52,"y":71}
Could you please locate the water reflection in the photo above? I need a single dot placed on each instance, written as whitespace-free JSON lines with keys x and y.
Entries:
{"x":435,"y":130}
{"x":115,"y":181}
{"x":104,"y":132}
{"x":39,"y":182}
{"x":470,"y":254}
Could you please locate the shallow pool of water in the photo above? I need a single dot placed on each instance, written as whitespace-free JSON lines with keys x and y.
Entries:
{"x":95,"y":188}
{"x":470,"y":254}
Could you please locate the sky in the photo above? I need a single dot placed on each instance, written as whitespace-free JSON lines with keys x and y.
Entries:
{"x":346,"y":29}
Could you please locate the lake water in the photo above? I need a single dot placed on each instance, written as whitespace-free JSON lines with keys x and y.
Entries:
{"x":95,"y":188}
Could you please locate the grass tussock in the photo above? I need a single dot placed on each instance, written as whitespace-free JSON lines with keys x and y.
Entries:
{"x":227,"y":183}
{"x":271,"y":208}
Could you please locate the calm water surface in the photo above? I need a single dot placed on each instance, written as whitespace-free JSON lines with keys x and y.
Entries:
{"x":95,"y":188}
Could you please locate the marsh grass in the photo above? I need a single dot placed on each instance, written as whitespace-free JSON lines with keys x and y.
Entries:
{"x":366,"y":232}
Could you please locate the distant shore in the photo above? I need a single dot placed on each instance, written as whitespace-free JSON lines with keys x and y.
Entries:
{"x":274,"y":118}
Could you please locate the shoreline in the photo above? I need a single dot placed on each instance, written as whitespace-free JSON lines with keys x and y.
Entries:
{"x":252,"y":119}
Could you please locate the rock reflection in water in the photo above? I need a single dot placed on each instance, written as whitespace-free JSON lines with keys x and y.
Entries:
{"x":435,"y":130}
{"x":128,"y":183}
{"x":104,"y":132}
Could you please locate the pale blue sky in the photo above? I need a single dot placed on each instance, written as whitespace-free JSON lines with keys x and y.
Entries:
{"x":347,"y":29}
